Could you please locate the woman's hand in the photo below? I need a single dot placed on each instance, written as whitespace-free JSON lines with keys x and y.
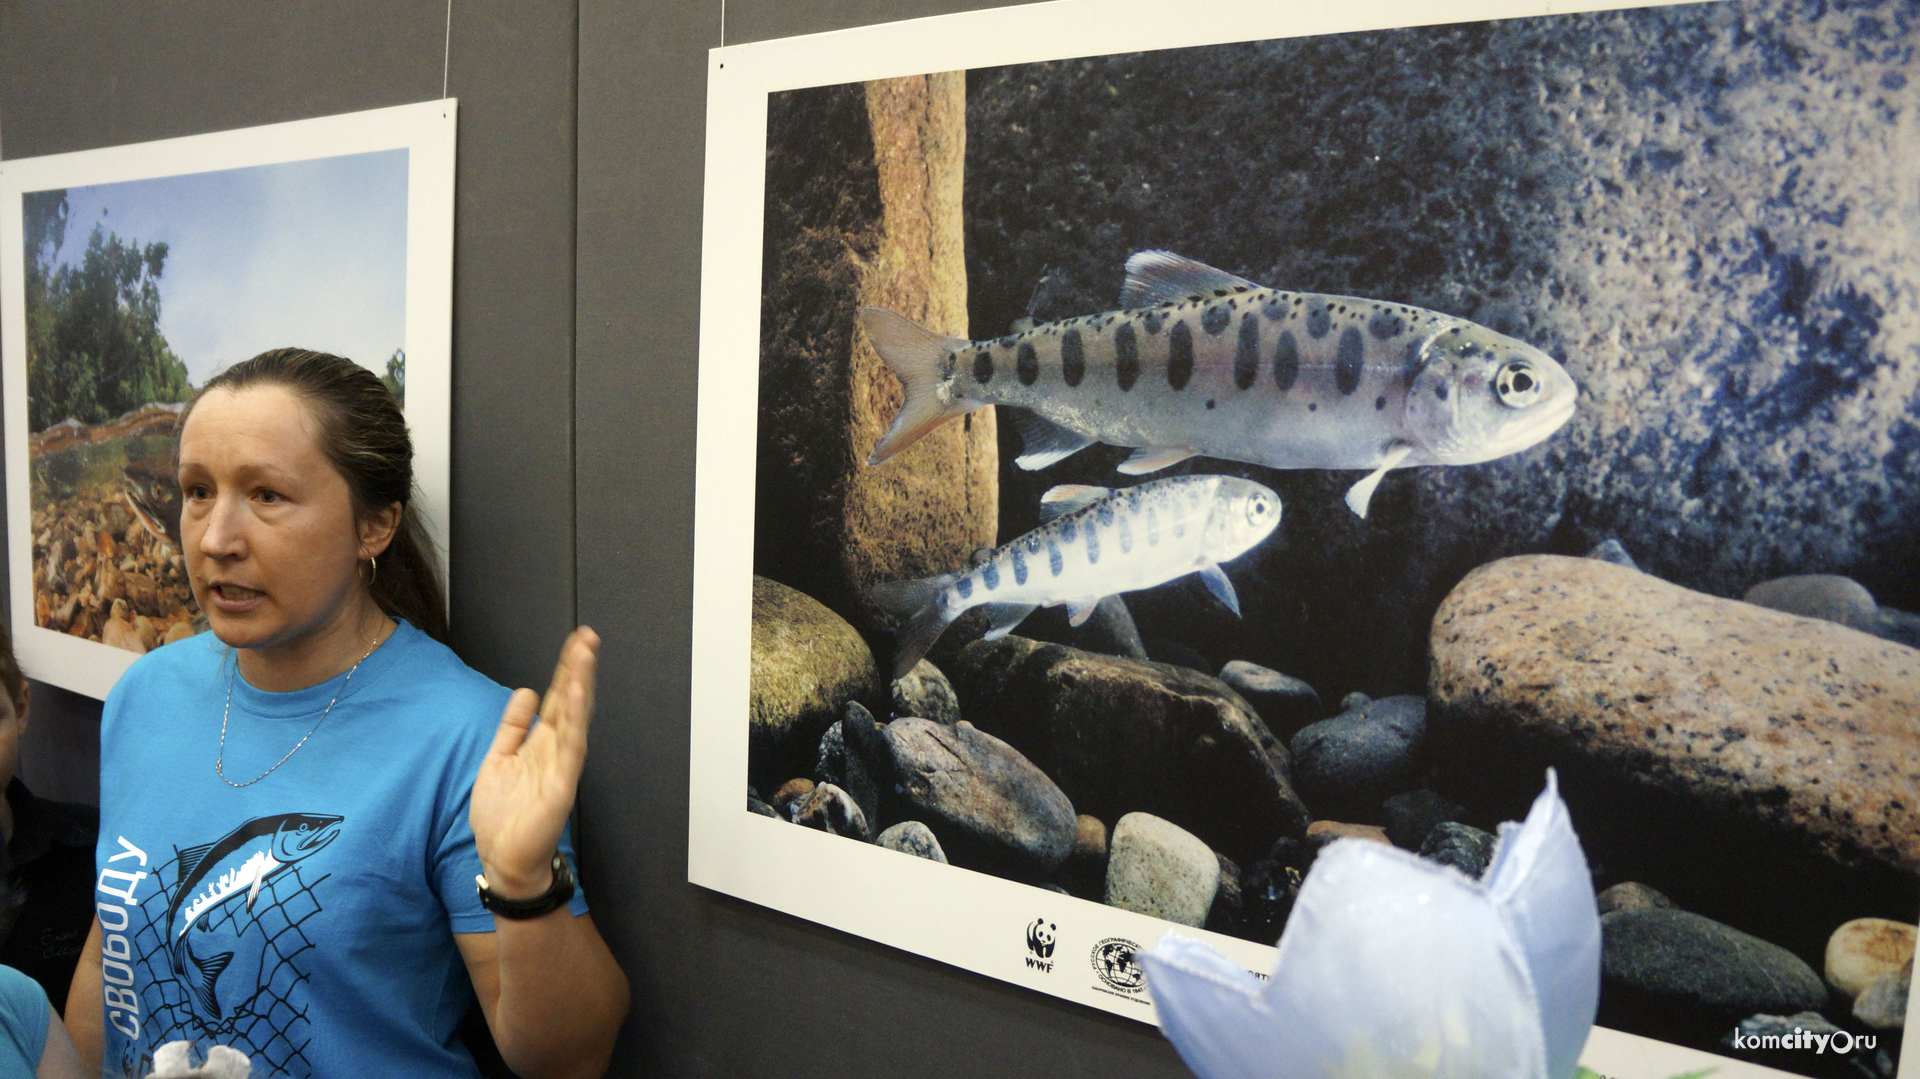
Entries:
{"x":526,"y":786}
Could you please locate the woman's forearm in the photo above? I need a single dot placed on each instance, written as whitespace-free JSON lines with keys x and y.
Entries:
{"x":84,"y":1008}
{"x":558,"y":997}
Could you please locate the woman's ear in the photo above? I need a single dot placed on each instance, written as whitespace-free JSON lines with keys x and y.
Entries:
{"x":377,"y":530}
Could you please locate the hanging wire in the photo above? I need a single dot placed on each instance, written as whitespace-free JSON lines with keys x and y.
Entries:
{"x":446,"y":50}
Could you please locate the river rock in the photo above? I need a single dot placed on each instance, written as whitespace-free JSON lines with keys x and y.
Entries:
{"x":1322,"y":832}
{"x":1690,"y":962}
{"x":807,"y":664}
{"x":1346,"y":766}
{"x":1085,"y":872}
{"x":866,"y":760}
{"x":1410,"y":816}
{"x":1631,"y":895}
{"x":1825,"y":596}
{"x":830,"y":757}
{"x":912,"y":837}
{"x":1899,"y":626}
{"x":1462,"y":846}
{"x":1883,"y":1005}
{"x":990,"y":807}
{"x":1228,"y":910}
{"x":1796,"y":724}
{"x":863,"y":208}
{"x":755,"y":804}
{"x":831,"y":810}
{"x":1686,"y":204}
{"x":1865,"y":950}
{"x":926,"y":693}
{"x":1157,"y":868}
{"x":1611,"y":550}
{"x":1122,"y":735}
{"x":1285,"y":702}
{"x":790,"y":791}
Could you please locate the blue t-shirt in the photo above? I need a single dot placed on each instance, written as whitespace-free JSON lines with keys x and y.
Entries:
{"x":23,"y":1023}
{"x":306,"y":919}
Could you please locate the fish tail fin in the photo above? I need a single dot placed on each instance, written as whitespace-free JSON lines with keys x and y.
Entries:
{"x":914,"y":602}
{"x":210,"y":971}
{"x":916,"y":356}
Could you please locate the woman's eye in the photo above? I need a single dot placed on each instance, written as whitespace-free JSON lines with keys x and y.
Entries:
{"x":270,"y":496}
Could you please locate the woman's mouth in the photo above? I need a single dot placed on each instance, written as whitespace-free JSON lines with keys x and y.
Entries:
{"x":235,"y":598}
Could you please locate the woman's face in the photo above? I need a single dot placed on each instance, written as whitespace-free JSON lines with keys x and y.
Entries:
{"x":271,"y":544}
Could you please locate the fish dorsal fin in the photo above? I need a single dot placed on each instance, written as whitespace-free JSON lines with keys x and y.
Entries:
{"x":190,"y":858}
{"x":1157,"y":277}
{"x":1069,"y":498}
{"x":1043,"y":442}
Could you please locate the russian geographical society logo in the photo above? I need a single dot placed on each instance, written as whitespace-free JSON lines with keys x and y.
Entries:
{"x":1040,"y":939}
{"x":1113,"y":961}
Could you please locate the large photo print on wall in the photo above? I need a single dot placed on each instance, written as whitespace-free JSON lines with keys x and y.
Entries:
{"x":1174,"y":457}
{"x":133,"y":274}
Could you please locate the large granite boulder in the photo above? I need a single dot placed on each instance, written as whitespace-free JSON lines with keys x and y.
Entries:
{"x":990,"y":808}
{"x":1703,"y":210}
{"x":863,"y":208}
{"x":807,"y":664}
{"x":1122,"y":736}
{"x":1795,"y":723}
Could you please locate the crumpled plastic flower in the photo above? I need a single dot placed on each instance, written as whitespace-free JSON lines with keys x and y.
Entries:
{"x":174,"y":1060}
{"x":1392,"y":966}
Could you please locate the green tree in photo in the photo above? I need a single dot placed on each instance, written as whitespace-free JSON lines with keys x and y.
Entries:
{"x":94,"y":346}
{"x":396,"y":377}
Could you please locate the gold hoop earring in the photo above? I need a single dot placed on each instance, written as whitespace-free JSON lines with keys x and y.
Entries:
{"x":374,"y":562}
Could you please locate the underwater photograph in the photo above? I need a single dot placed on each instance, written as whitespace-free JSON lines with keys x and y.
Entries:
{"x":1169,"y":463}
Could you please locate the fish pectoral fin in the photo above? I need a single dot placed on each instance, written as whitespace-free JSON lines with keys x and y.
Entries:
{"x":1221,"y":588}
{"x":1157,"y":277}
{"x":1154,"y":458}
{"x":1360,"y":494}
{"x":253,"y":893}
{"x":1042,"y":441}
{"x":1069,"y":498}
{"x":1004,"y":617}
{"x":1079,"y":610}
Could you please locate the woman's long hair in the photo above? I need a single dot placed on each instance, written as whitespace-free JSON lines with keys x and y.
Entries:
{"x":365,"y":437}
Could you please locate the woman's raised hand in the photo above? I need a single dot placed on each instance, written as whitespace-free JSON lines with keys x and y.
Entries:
{"x":526,"y":786}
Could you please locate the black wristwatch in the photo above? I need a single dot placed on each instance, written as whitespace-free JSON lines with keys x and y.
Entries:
{"x":557,"y":893}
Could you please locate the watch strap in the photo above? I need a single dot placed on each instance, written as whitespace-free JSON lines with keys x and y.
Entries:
{"x":556,"y":894}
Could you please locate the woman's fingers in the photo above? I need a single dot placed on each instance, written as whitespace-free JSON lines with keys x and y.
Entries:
{"x":514,"y":721}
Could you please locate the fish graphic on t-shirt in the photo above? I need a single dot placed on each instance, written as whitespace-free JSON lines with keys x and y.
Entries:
{"x":239,"y":864}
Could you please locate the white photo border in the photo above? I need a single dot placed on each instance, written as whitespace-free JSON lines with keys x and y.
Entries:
{"x":967,"y":919}
{"x":425,"y":130}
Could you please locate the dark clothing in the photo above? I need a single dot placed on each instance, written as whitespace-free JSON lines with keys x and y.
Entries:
{"x":49,"y":864}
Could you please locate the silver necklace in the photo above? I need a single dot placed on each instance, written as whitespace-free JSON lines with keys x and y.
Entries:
{"x":227,"y":712}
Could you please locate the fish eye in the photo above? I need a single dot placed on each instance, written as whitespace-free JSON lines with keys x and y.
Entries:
{"x":1517,"y":385}
{"x":1256,"y":509}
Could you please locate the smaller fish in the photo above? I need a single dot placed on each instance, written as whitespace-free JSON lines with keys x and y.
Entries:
{"x":1093,"y":542}
{"x":153,"y":493}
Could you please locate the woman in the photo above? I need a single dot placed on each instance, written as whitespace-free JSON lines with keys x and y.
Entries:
{"x":288,"y":849}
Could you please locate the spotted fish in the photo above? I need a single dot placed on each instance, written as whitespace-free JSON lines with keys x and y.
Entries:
{"x":1092,"y":543}
{"x":1200,"y":362}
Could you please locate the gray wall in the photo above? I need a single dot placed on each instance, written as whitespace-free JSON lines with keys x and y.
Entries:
{"x":577,"y":279}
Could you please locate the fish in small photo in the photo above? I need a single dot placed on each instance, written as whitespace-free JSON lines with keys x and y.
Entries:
{"x":1092,"y":542}
{"x":1199,"y":362}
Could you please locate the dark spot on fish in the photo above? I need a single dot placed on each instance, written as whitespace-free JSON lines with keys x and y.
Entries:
{"x":1126,"y":535}
{"x":983,"y":367}
{"x":1179,"y":355}
{"x":1347,"y":360}
{"x":1093,"y":544}
{"x":1318,"y":321}
{"x":947,"y":365}
{"x":1028,"y":365}
{"x":1073,"y":358}
{"x":1246,"y":354}
{"x":1152,"y":322}
{"x":1385,"y":325}
{"x":1274,"y":309}
{"x":1054,"y":561}
{"x":1286,"y":361}
{"x":1440,"y":391}
{"x":1209,"y":404}
{"x":1313,"y":406}
{"x":1068,"y":530}
{"x":1126,"y":357}
{"x":1216,"y":319}
{"x":964,"y":586}
{"x":1380,"y":404}
{"x":1019,"y":566}
{"x":990,"y":576}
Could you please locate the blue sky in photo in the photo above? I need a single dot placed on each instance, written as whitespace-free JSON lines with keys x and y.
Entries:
{"x":307,"y":253}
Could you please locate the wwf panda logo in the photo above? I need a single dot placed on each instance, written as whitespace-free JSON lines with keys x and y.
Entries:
{"x":1040,"y":938}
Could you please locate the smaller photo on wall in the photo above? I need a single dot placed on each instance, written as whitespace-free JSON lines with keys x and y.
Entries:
{"x":128,"y":284}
